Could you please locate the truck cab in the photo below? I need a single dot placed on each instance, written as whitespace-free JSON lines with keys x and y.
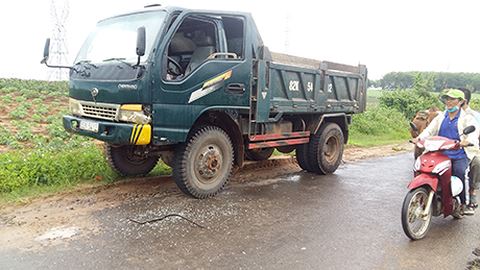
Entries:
{"x":199,"y":90}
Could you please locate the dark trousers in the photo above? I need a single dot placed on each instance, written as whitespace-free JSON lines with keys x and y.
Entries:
{"x":459,"y":166}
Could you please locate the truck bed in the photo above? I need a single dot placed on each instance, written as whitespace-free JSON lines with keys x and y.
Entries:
{"x":294,"y":84}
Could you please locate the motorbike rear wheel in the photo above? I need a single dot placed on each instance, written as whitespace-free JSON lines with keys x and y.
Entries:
{"x":414,"y":224}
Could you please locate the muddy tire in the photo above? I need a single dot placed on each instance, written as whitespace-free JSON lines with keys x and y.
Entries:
{"x":325,"y":149}
{"x":127,"y":160}
{"x":301,"y":153}
{"x":414,"y":225}
{"x":259,"y":154}
{"x":204,"y":163}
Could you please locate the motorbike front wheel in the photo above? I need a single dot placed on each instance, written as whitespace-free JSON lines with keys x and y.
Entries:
{"x":415,"y":224}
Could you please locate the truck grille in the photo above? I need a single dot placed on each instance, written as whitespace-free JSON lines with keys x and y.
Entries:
{"x":103,"y":111}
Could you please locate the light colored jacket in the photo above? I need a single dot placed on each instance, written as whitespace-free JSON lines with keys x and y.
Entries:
{"x":464,"y":120}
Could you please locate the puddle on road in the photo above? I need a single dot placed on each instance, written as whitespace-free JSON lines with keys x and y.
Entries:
{"x":290,"y":178}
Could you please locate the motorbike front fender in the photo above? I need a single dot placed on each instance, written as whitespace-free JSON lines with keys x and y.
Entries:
{"x":422,"y":180}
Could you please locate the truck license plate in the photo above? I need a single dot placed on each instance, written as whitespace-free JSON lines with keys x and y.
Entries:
{"x":89,"y":125}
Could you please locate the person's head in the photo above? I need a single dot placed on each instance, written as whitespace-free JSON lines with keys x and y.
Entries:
{"x":467,"y":93}
{"x":453,"y":99}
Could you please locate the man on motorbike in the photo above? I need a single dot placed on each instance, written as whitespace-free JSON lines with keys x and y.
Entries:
{"x":450,"y":124}
{"x":474,"y":173}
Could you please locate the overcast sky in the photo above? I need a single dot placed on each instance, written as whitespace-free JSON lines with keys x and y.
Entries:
{"x":388,"y":35}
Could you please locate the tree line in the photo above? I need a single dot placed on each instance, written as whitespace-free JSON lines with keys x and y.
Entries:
{"x":440,"y":80}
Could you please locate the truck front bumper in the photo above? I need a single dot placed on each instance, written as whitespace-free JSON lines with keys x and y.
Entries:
{"x":110,"y":132}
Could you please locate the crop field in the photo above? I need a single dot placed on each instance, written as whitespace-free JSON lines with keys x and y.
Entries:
{"x":36,"y":153}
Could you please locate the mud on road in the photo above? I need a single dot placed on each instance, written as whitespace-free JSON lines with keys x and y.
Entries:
{"x":55,"y":219}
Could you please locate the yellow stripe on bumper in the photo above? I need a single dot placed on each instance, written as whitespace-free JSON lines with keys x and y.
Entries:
{"x":141,"y":134}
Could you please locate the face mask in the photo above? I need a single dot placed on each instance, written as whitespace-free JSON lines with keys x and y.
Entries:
{"x":453,"y":109}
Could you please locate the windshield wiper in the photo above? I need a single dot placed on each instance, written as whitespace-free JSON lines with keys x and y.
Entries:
{"x":119,"y":59}
{"x":86,"y":63}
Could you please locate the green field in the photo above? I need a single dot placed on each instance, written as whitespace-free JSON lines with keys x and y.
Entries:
{"x":36,"y":154}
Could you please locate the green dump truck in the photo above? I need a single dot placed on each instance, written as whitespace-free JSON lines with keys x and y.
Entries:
{"x":201,"y":91}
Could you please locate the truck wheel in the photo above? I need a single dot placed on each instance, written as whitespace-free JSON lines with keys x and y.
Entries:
{"x":325,"y":149}
{"x":127,"y":160}
{"x":203,"y":165}
{"x":259,"y":154}
{"x":286,"y":149}
{"x":301,"y":153}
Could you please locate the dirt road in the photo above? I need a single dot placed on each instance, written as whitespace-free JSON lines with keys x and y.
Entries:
{"x":276,"y":217}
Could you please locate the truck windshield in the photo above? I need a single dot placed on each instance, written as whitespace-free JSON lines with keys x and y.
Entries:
{"x":115,"y":38}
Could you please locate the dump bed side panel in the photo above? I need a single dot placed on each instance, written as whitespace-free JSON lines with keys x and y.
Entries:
{"x":332,"y":88}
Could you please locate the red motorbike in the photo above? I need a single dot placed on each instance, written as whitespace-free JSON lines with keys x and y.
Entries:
{"x":434,"y":190}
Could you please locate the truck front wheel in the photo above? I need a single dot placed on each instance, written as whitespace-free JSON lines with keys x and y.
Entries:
{"x":203,"y":165}
{"x":129,"y":160}
{"x":326,"y":149}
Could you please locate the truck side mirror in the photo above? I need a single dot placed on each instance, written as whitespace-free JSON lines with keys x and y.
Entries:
{"x":46,"y":51}
{"x":141,"y":41}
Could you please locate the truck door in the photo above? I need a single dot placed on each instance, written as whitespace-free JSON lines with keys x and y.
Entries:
{"x":202,"y":64}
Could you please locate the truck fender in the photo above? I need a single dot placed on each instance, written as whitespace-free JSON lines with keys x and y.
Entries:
{"x":341,"y":119}
{"x":226,"y":122}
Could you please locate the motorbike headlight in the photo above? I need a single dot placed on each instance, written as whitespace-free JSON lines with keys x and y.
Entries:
{"x":75,"y":106}
{"x":133,"y":113}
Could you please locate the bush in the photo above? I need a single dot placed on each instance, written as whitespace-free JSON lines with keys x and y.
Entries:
{"x":379,"y":121}
{"x":409,"y":102}
{"x":47,"y":167}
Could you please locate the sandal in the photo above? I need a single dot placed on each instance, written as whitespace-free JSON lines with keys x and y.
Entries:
{"x":473,"y":205}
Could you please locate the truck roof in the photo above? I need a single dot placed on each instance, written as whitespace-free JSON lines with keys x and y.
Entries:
{"x":171,"y":9}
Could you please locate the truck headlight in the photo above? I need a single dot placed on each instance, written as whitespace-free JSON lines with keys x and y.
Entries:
{"x":133,"y":113}
{"x":75,"y":106}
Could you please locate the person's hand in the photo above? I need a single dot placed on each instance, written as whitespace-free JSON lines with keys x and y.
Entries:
{"x":465,"y":143}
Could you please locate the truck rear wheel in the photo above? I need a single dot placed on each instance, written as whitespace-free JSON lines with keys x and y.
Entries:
{"x":203,"y":165}
{"x":259,"y":154}
{"x":325,"y":149}
{"x":128,"y":160}
{"x":301,"y":153}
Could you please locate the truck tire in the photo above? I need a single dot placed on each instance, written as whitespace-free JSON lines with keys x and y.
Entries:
{"x":259,"y":154}
{"x":203,"y":164}
{"x":301,"y":153}
{"x":325,"y":149}
{"x":126,"y":162}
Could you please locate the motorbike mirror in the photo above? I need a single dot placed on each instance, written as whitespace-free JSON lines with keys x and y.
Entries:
{"x":413,"y":127}
{"x":469,"y":130}
{"x":46,"y":51}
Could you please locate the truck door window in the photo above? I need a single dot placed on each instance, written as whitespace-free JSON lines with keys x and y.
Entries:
{"x":234,"y":33}
{"x":194,"y":41}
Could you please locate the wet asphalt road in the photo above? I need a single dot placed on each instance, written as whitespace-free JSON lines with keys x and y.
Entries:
{"x":349,"y":220}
